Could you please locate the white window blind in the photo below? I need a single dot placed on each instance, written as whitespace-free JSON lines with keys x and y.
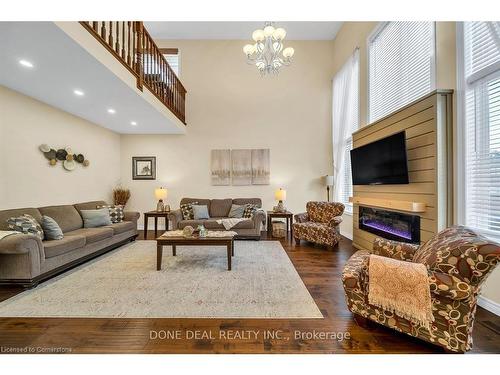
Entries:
{"x":173,"y":61}
{"x":345,"y":122}
{"x":401,"y":65}
{"x":482,"y":126}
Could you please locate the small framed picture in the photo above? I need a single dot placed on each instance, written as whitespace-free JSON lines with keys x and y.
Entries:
{"x":144,"y":168}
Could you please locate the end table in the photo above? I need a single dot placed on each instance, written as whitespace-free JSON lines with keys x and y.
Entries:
{"x":280,"y":215}
{"x":156,"y":215}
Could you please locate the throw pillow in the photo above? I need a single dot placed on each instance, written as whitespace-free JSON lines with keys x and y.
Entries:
{"x":51,"y":229}
{"x":249,"y":210}
{"x":115,"y":213}
{"x":200,"y":212}
{"x":26,"y":224}
{"x":187,"y":210}
{"x":237,"y":211}
{"x":95,"y":218}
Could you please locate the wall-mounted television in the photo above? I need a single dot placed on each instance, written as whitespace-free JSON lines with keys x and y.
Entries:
{"x":380,"y":162}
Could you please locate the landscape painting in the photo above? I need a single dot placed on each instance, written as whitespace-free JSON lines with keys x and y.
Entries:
{"x":260,"y":167}
{"x":221,"y":167}
{"x":241,"y":167}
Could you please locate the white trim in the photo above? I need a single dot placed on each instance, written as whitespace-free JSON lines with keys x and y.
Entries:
{"x":460,"y":183}
{"x":488,"y":304}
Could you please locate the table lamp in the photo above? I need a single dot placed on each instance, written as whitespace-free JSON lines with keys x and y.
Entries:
{"x":328,"y":183}
{"x":161,"y":194}
{"x":280,"y":196}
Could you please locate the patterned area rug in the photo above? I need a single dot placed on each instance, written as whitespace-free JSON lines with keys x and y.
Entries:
{"x":263,"y":283}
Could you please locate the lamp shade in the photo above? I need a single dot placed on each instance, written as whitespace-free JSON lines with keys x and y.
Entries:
{"x":328,"y":180}
{"x":161,"y":193}
{"x":280,"y":195}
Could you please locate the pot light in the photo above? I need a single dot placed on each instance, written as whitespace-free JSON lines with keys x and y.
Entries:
{"x":133,"y":123}
{"x":111,"y":110}
{"x":78,"y":92}
{"x":26,"y":63}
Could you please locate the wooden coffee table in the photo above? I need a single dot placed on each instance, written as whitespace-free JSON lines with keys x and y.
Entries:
{"x":161,"y":241}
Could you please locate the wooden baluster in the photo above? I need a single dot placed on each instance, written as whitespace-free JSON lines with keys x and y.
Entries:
{"x":139,"y":55}
{"x":110,"y":38}
{"x":103,"y":30}
{"x":128,"y":44}
{"x":117,"y":38}
{"x":94,"y":26}
{"x":123,"y":41}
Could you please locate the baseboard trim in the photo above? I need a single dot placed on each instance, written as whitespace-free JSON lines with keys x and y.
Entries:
{"x":489,"y":305}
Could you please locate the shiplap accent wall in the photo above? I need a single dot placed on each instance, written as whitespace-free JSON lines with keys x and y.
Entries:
{"x":428,"y":125}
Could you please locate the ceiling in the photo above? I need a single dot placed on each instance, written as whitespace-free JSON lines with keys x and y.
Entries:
{"x":240,"y":30}
{"x":61,"y":65}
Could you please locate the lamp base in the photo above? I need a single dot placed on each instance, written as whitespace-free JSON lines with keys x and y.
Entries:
{"x":160,"y":207}
{"x":280,"y":207}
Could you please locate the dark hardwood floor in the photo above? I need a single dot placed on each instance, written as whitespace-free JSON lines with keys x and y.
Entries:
{"x":320,"y":270}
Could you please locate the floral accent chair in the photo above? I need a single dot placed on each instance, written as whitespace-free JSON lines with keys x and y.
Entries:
{"x":320,"y":224}
{"x":458,"y":261}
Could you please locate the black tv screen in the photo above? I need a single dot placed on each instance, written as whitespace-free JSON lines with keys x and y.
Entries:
{"x":381,"y":162}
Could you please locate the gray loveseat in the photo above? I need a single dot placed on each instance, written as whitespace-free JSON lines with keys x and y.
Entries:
{"x":26,"y":260}
{"x":218,"y":209}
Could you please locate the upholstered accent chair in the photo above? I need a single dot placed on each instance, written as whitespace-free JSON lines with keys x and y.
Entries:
{"x":319,"y":224}
{"x":458,"y":261}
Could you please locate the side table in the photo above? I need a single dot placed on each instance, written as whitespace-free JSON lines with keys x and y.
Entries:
{"x":280,"y":215}
{"x":156,"y":215}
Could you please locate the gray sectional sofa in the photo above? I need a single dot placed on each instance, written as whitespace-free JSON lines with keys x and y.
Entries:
{"x":218,"y":209}
{"x":26,"y":260}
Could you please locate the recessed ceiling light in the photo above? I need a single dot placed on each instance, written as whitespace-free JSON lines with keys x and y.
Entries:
{"x":111,"y":110}
{"x":78,"y":92}
{"x":133,"y":123}
{"x":26,"y":63}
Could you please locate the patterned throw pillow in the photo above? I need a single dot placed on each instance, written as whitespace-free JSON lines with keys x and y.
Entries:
{"x":187,"y":210}
{"x":115,"y":213}
{"x":249,"y":210}
{"x":26,"y":224}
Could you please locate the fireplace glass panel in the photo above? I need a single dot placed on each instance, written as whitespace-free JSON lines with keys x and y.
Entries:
{"x":389,"y":224}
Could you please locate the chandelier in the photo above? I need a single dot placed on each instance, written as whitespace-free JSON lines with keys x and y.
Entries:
{"x":267,"y":54}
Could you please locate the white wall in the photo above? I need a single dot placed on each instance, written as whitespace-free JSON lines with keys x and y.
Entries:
{"x":26,"y":179}
{"x":230,"y":106}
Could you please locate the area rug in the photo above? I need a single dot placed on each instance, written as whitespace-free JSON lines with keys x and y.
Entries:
{"x":263,"y":283}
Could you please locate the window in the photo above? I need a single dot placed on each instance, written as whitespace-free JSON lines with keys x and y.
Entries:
{"x":401,"y":65}
{"x":481,"y":121}
{"x":345,"y":122}
{"x":172,"y":57}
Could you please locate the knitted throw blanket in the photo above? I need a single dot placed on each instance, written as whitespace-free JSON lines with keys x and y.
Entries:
{"x":400,"y":287}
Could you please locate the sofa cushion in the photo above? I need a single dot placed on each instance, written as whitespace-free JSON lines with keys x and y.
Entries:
{"x":92,"y":205}
{"x":51,"y":229}
{"x":26,"y":224}
{"x":205,"y":202}
{"x":95,"y":218}
{"x":92,"y":234}
{"x":212,"y":224}
{"x":187,"y":210}
{"x":63,"y":246}
{"x":220,"y":207}
{"x":115,"y":212}
{"x":7,"y":214}
{"x":193,"y":223}
{"x":122,"y":227}
{"x":200,"y":212}
{"x":237,"y":211}
{"x":255,"y":201}
{"x":66,"y":216}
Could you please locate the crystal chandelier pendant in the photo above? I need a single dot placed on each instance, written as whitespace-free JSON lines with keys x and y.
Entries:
{"x":268,"y":54}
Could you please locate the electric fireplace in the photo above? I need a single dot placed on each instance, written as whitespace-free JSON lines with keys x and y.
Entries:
{"x":389,"y":224}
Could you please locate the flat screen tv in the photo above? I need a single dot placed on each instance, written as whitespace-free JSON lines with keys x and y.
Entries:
{"x":380,"y":162}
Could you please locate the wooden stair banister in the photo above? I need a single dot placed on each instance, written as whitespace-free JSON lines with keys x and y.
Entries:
{"x":130,"y":43}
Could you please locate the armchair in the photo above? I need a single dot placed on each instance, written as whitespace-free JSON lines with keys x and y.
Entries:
{"x":320,"y":224}
{"x":458,"y":261}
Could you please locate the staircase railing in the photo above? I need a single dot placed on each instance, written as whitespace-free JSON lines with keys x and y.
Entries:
{"x":130,"y":43}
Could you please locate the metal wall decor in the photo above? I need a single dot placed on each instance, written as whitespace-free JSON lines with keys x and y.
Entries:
{"x":66,"y":155}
